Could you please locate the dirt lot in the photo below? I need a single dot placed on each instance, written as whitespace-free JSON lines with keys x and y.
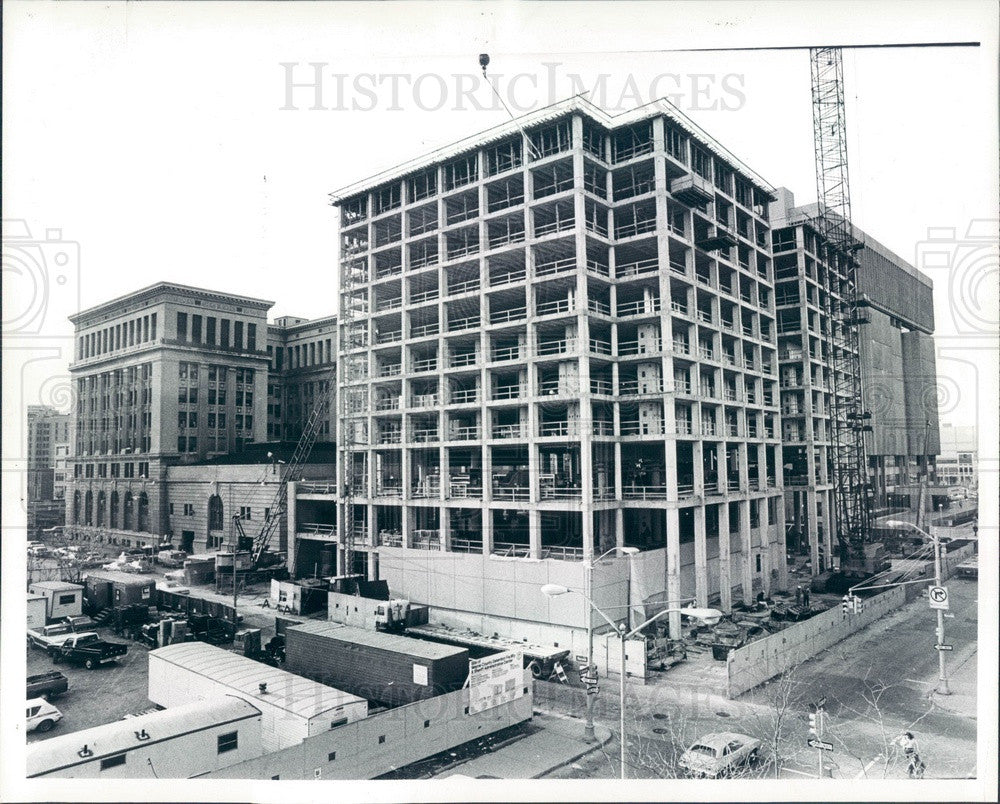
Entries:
{"x":97,"y":696}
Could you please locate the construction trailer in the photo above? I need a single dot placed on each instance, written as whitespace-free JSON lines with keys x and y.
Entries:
{"x":176,"y":743}
{"x":37,"y":611}
{"x":62,"y":599}
{"x":292,"y":707}
{"x":109,"y":589}
{"x":388,"y":668}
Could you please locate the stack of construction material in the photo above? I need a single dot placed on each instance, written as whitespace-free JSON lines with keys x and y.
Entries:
{"x":390,"y":669}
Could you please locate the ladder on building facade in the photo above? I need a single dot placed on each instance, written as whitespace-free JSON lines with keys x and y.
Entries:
{"x":852,"y":489}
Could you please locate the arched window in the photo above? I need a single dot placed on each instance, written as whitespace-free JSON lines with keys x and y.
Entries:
{"x":88,"y":508}
{"x":127,"y":512}
{"x":143,"y":513}
{"x":76,"y":507}
{"x":215,"y":513}
{"x":102,"y":503}
{"x":113,"y":519}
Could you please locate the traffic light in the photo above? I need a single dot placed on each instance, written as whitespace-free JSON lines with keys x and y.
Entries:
{"x":814,"y":724}
{"x":859,"y":605}
{"x":845,"y":605}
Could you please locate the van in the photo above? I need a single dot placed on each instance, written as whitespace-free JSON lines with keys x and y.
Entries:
{"x":41,"y":715}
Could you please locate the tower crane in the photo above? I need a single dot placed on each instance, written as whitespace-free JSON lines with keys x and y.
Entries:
{"x":852,"y":489}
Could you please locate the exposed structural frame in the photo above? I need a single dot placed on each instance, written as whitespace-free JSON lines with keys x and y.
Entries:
{"x":353,"y":387}
{"x":852,"y":492}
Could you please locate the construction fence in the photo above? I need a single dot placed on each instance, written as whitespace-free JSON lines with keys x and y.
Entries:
{"x":753,"y":664}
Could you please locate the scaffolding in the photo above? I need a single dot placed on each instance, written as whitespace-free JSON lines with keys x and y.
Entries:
{"x":852,"y":491}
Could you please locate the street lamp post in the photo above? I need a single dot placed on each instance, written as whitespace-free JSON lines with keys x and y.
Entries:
{"x":588,"y":728}
{"x":710,"y":616}
{"x":943,"y":688}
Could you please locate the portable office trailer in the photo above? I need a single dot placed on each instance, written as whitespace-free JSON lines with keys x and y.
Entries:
{"x":292,"y":708}
{"x":110,"y":589}
{"x":37,"y":611}
{"x":387,"y":668}
{"x":177,"y":743}
{"x":62,"y":599}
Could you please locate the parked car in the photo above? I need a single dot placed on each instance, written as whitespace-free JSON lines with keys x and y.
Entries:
{"x":171,"y":558}
{"x":49,"y":635}
{"x":87,"y":649}
{"x":80,"y":623}
{"x":720,"y":754}
{"x":46,"y":685}
{"x":41,"y":715}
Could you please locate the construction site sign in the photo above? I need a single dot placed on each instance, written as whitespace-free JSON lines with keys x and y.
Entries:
{"x":495,"y":680}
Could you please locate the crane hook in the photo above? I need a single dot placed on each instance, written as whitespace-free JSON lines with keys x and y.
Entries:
{"x":484,"y":62}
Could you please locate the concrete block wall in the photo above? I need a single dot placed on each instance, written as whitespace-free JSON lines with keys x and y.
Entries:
{"x":753,"y":664}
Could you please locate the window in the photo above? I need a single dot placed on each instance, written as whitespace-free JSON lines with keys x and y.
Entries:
{"x":427,"y":724}
{"x":66,"y":600}
{"x":228,"y":741}
{"x":182,"y":326}
{"x":758,"y":563}
{"x":188,"y":509}
{"x":210,"y":331}
{"x":196,"y":328}
{"x":252,"y":337}
{"x":113,"y":762}
{"x":224,"y":332}
{"x":245,"y":512}
{"x":381,"y":739}
{"x":331,"y":756}
{"x":238,"y":334}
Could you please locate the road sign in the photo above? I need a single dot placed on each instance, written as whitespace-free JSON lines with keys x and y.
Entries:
{"x":937,"y":596}
{"x":814,"y":743}
{"x":944,"y":647}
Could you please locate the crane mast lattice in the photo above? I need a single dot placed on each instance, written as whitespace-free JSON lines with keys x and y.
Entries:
{"x":852,"y":491}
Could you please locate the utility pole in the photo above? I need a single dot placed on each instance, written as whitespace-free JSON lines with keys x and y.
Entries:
{"x":588,"y":728}
{"x":943,"y":688}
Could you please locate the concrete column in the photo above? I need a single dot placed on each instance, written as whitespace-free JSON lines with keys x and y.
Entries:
{"x":673,"y":568}
{"x":406,"y":521}
{"x":535,"y":532}
{"x":700,"y":558}
{"x":699,"y":469}
{"x":372,"y":525}
{"x":765,"y":544}
{"x":619,"y":528}
{"x":811,"y":529}
{"x":444,"y":518}
{"x":746,"y":553}
{"x":487,"y":529}
{"x":781,"y":551}
{"x":725,"y":566}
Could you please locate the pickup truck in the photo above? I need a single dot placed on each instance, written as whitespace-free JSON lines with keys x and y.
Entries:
{"x":46,"y":685}
{"x":87,"y":649}
{"x":49,"y":635}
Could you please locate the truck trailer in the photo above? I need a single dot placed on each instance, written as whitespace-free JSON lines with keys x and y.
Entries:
{"x":292,"y":708}
{"x":388,"y":668}
{"x":62,"y":599}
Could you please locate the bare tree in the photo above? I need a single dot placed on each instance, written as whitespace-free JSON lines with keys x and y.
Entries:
{"x":778,"y":706}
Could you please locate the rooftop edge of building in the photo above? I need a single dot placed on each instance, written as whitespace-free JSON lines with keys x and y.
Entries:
{"x":784,"y":212}
{"x":575,"y":103}
{"x":162,"y":287}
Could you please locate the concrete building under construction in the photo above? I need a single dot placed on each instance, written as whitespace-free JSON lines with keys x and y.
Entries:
{"x":557,"y":339}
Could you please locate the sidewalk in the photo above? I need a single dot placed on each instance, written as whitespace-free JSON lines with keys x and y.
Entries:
{"x":558,"y":742}
{"x":962,"y":683}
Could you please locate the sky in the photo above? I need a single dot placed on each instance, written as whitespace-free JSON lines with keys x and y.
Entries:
{"x":163,"y":141}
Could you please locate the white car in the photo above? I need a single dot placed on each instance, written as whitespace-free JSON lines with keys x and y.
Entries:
{"x":41,"y":715}
{"x":720,"y":754}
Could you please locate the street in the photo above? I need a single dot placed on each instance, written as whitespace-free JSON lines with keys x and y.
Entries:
{"x":877,"y":684}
